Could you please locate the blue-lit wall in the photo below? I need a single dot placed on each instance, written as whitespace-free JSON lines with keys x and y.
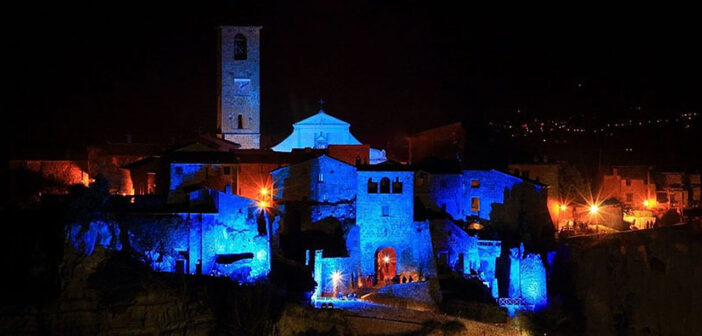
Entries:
{"x":527,"y":277}
{"x":387,"y":220}
{"x":479,"y":256}
{"x":494,"y":188}
{"x":162,"y":238}
{"x":453,"y":193}
{"x":322,"y":179}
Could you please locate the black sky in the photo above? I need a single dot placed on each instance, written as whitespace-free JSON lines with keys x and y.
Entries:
{"x":82,"y":74}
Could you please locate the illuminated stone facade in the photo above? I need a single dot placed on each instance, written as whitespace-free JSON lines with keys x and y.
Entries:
{"x":239,"y":115}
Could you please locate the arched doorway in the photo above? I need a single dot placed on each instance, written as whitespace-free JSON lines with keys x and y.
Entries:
{"x":385,"y":265}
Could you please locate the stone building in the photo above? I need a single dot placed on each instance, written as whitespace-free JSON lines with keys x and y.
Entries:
{"x":633,"y":186}
{"x":211,"y":232}
{"x":321,"y":130}
{"x":466,"y":193}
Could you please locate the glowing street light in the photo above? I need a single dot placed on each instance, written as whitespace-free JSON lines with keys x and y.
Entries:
{"x":564,"y":207}
{"x":594,"y":209}
{"x":262,"y":204}
{"x":336,"y":277}
{"x":264,"y":191}
{"x":386,"y":259}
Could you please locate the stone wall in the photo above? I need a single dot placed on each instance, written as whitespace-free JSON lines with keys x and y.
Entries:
{"x":644,"y":282}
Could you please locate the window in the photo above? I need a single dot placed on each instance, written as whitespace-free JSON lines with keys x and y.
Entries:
{"x":475,"y":183}
{"x":320,"y":178}
{"x":386,"y":211}
{"x":227,"y":170}
{"x":240,"y":121}
{"x":628,"y":182}
{"x":629,"y":197}
{"x":239,"y":47}
{"x":385,"y":185}
{"x":397,"y":186}
{"x":475,"y":204}
{"x":179,"y":170}
{"x":372,"y":187}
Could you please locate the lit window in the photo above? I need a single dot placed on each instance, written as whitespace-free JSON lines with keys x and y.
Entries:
{"x":475,"y":183}
{"x":239,"y":47}
{"x":386,"y":210}
{"x":475,"y":204}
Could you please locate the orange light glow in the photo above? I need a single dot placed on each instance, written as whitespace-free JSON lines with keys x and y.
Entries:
{"x":264,"y":191}
{"x":649,"y":203}
{"x":386,"y":259}
{"x":594,"y":209}
{"x":262,"y":204}
{"x":564,"y":207}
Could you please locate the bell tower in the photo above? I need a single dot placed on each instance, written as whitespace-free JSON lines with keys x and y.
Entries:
{"x":239,"y":106}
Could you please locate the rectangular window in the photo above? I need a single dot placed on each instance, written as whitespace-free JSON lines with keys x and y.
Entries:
{"x":386,"y":211}
{"x":227,"y":170}
{"x":629,"y":197}
{"x":320,"y":178}
{"x":372,"y":187}
{"x":628,"y":182}
{"x":475,"y":183}
{"x":475,"y":204}
{"x":397,"y":186}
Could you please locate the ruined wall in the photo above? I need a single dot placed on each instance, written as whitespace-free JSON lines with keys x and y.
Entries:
{"x":634,"y":283}
{"x":493,"y":187}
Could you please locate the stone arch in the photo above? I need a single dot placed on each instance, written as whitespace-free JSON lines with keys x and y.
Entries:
{"x":385,"y":265}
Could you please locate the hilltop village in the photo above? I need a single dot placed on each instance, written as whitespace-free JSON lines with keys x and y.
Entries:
{"x":358,"y":221}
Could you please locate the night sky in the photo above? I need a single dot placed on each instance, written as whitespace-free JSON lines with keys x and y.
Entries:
{"x":86,"y":74}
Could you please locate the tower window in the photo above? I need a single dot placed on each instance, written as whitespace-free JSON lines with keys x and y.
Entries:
{"x":397,"y":186}
{"x":320,"y":178}
{"x":239,"y":47}
{"x":385,"y":211}
{"x":475,"y":183}
{"x":372,"y":187}
{"x":385,"y":185}
{"x":240,"y":122}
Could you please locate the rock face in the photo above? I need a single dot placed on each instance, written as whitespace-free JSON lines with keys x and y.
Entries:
{"x":636,"y":283}
{"x":109,"y":293}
